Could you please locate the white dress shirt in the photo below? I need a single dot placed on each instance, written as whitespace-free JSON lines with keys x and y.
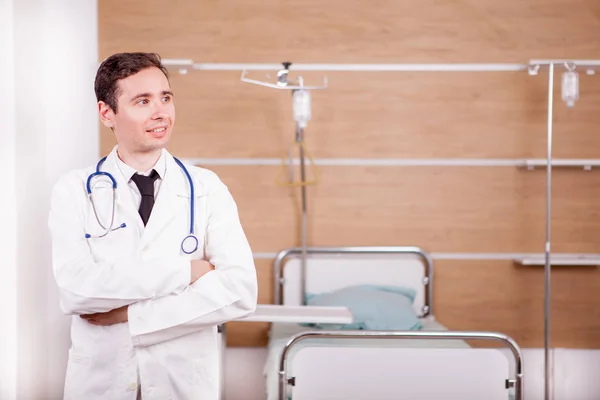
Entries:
{"x":128,"y":172}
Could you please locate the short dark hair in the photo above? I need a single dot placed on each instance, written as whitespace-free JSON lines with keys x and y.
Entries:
{"x":120,"y":66}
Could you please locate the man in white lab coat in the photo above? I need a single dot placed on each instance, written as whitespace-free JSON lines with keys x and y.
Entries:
{"x":145,"y":312}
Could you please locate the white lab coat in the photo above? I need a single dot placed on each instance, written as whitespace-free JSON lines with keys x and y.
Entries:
{"x":171,"y":337}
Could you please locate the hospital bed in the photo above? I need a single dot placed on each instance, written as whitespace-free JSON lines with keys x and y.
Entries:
{"x":311,"y":354}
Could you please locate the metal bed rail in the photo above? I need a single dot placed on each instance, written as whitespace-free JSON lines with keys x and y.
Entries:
{"x":516,"y":383}
{"x":282,"y":255}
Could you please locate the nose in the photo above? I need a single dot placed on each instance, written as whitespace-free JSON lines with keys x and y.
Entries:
{"x":159,"y":111}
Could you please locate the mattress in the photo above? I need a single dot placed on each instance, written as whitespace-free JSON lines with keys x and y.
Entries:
{"x":280,"y":334}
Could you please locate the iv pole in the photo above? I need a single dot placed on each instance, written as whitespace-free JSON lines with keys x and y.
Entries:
{"x":547,"y":248}
{"x":303,"y":238}
{"x":570,"y":93}
{"x":302,"y":114}
{"x":533,"y":70}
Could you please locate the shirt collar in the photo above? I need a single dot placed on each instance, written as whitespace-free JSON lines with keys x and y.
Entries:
{"x":128,"y":171}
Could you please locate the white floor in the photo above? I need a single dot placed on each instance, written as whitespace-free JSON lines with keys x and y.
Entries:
{"x":576,"y":374}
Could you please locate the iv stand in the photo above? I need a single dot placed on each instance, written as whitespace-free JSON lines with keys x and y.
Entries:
{"x":569,"y":98}
{"x":283,"y":83}
{"x":534,"y":67}
{"x":547,"y":267}
{"x":570,"y":93}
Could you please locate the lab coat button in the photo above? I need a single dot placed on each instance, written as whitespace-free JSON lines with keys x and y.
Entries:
{"x":133,"y":386}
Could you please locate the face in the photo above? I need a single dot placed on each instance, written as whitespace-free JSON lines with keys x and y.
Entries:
{"x":145,"y":112}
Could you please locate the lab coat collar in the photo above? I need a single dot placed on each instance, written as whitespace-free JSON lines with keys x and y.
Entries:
{"x":128,"y":170}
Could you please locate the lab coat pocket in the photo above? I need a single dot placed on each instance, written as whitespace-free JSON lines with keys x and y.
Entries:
{"x":206,"y":377}
{"x":78,"y":372}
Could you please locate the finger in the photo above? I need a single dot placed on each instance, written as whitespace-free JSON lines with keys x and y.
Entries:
{"x":100,"y":322}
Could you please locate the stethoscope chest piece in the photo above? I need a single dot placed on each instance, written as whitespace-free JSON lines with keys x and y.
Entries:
{"x":190,"y":244}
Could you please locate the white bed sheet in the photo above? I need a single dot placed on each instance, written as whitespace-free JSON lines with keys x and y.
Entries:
{"x":280,"y":333}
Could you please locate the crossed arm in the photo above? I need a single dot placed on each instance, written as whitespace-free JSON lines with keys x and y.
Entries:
{"x":120,"y":315}
{"x":160,"y":298}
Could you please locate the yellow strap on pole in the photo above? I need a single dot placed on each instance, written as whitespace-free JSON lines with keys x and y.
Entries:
{"x":289,"y":182}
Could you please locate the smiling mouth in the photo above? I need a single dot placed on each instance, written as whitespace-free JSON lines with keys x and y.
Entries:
{"x":157,"y":130}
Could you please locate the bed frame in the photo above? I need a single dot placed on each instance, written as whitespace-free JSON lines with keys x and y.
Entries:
{"x":417,"y":271}
{"x":516,"y":382}
{"x":419,"y":277}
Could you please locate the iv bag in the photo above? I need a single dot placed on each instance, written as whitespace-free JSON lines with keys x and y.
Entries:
{"x":302,"y":112}
{"x":570,"y":88}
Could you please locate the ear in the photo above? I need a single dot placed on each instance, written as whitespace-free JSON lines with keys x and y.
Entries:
{"x":106,"y":114}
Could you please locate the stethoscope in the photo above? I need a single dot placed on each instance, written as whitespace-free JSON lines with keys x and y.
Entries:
{"x":188,"y":245}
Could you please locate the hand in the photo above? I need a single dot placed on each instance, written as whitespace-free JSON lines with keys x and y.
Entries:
{"x":116,"y":316}
{"x":199,"y":269}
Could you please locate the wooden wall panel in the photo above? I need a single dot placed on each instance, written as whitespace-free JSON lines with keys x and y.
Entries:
{"x":352,"y":31}
{"x":504,"y":297}
{"x":384,"y":115}
{"x":442,"y":209}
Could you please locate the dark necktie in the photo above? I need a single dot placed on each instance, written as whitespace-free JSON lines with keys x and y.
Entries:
{"x":146,"y":186}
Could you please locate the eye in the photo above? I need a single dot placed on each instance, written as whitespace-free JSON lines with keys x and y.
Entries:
{"x":166,"y":99}
{"x":142,"y":101}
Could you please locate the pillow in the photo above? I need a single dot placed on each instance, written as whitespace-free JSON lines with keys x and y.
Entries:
{"x":373,"y":307}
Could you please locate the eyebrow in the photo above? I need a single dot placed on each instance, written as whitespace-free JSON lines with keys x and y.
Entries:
{"x":140,"y":95}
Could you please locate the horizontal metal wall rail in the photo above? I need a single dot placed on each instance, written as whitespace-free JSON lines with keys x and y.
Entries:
{"x":464,"y":256}
{"x":401,"y":162}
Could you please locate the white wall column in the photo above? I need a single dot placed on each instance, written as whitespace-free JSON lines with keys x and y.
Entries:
{"x":8,"y":208}
{"x":49,"y":61}
{"x":72,"y":129}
